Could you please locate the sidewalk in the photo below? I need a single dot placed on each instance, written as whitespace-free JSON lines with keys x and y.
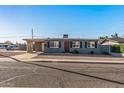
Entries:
{"x":24,"y":57}
{"x":61,"y":58}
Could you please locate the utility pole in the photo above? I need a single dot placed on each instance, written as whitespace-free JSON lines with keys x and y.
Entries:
{"x":32,"y":43}
{"x":32,"y":34}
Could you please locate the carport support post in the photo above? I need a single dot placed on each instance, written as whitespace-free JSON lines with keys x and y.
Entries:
{"x":29,"y":46}
{"x":109,"y":49}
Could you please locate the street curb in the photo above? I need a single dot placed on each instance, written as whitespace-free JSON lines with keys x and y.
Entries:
{"x":90,"y":62}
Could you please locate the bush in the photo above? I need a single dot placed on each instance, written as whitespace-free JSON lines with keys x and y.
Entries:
{"x":117,"y":48}
{"x":122,"y":48}
{"x":75,"y":52}
{"x":105,"y":53}
{"x":92,"y":52}
{"x":65,"y":52}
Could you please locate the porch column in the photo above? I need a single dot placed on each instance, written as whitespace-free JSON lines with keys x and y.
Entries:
{"x":43,"y":47}
{"x":29,"y":46}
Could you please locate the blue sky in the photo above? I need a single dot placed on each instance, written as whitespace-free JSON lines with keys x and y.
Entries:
{"x":54,"y":21}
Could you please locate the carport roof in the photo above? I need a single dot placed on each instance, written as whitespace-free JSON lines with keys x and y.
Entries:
{"x":35,"y":40}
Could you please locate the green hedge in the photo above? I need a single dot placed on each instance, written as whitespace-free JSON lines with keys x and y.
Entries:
{"x":74,"y":52}
{"x":117,"y":48}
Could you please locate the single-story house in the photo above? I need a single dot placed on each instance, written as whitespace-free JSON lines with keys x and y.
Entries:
{"x":113,"y":41}
{"x":3,"y":45}
{"x":65,"y":44}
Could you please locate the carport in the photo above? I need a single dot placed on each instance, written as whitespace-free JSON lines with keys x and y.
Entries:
{"x":35,"y":45}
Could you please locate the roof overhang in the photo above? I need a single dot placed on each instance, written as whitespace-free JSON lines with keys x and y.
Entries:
{"x":109,"y":42}
{"x":34,"y":40}
{"x":61,"y":39}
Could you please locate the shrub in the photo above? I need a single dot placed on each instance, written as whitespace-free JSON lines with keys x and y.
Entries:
{"x":65,"y":52}
{"x":105,"y":53}
{"x":92,"y":52}
{"x":122,"y":48}
{"x":75,"y":52}
{"x":117,"y":48}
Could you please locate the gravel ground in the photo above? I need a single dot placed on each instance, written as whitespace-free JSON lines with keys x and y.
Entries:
{"x":10,"y":52}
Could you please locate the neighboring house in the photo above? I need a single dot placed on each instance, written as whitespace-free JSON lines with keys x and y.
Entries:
{"x":3,"y":45}
{"x":113,"y":41}
{"x":65,"y":44}
{"x":110,"y":42}
{"x":7,"y":46}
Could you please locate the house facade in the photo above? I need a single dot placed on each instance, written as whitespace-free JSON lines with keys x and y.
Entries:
{"x":68,"y":45}
{"x":65,"y":44}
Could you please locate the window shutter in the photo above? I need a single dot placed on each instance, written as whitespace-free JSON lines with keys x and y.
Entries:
{"x":59,"y":44}
{"x":96,"y":44}
{"x":80,"y":44}
{"x":48,"y":44}
{"x":85,"y":44}
{"x":70,"y":44}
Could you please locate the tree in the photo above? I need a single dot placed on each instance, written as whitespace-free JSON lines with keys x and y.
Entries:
{"x":115,"y":35}
{"x":103,"y":37}
{"x":122,"y":36}
{"x":8,"y":42}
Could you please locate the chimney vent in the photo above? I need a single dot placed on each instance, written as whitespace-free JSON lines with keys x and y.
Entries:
{"x":65,"y":35}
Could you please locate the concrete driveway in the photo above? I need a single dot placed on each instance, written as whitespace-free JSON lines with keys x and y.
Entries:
{"x":60,"y":75}
{"x":15,"y":73}
{"x":6,"y":59}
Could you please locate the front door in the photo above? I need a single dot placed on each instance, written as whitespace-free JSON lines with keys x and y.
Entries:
{"x":38,"y":46}
{"x":66,"y":45}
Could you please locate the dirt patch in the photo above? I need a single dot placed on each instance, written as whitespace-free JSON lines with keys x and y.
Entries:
{"x":11,"y":53}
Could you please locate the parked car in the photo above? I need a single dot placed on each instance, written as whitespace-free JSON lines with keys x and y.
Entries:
{"x":3,"y":46}
{"x":11,"y":47}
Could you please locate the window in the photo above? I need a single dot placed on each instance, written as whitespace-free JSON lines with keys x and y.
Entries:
{"x":75,"y":44}
{"x":91,"y":44}
{"x":54,"y":44}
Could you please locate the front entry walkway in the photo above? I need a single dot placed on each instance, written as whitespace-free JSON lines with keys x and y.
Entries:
{"x":72,"y":58}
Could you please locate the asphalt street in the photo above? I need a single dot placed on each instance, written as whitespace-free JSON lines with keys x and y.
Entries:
{"x":60,"y":75}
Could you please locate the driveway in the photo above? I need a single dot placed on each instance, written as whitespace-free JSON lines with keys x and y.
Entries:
{"x":15,"y":73}
{"x":60,"y":75}
{"x":6,"y":59}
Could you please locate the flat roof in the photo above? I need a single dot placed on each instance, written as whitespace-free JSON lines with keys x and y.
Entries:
{"x":43,"y":39}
